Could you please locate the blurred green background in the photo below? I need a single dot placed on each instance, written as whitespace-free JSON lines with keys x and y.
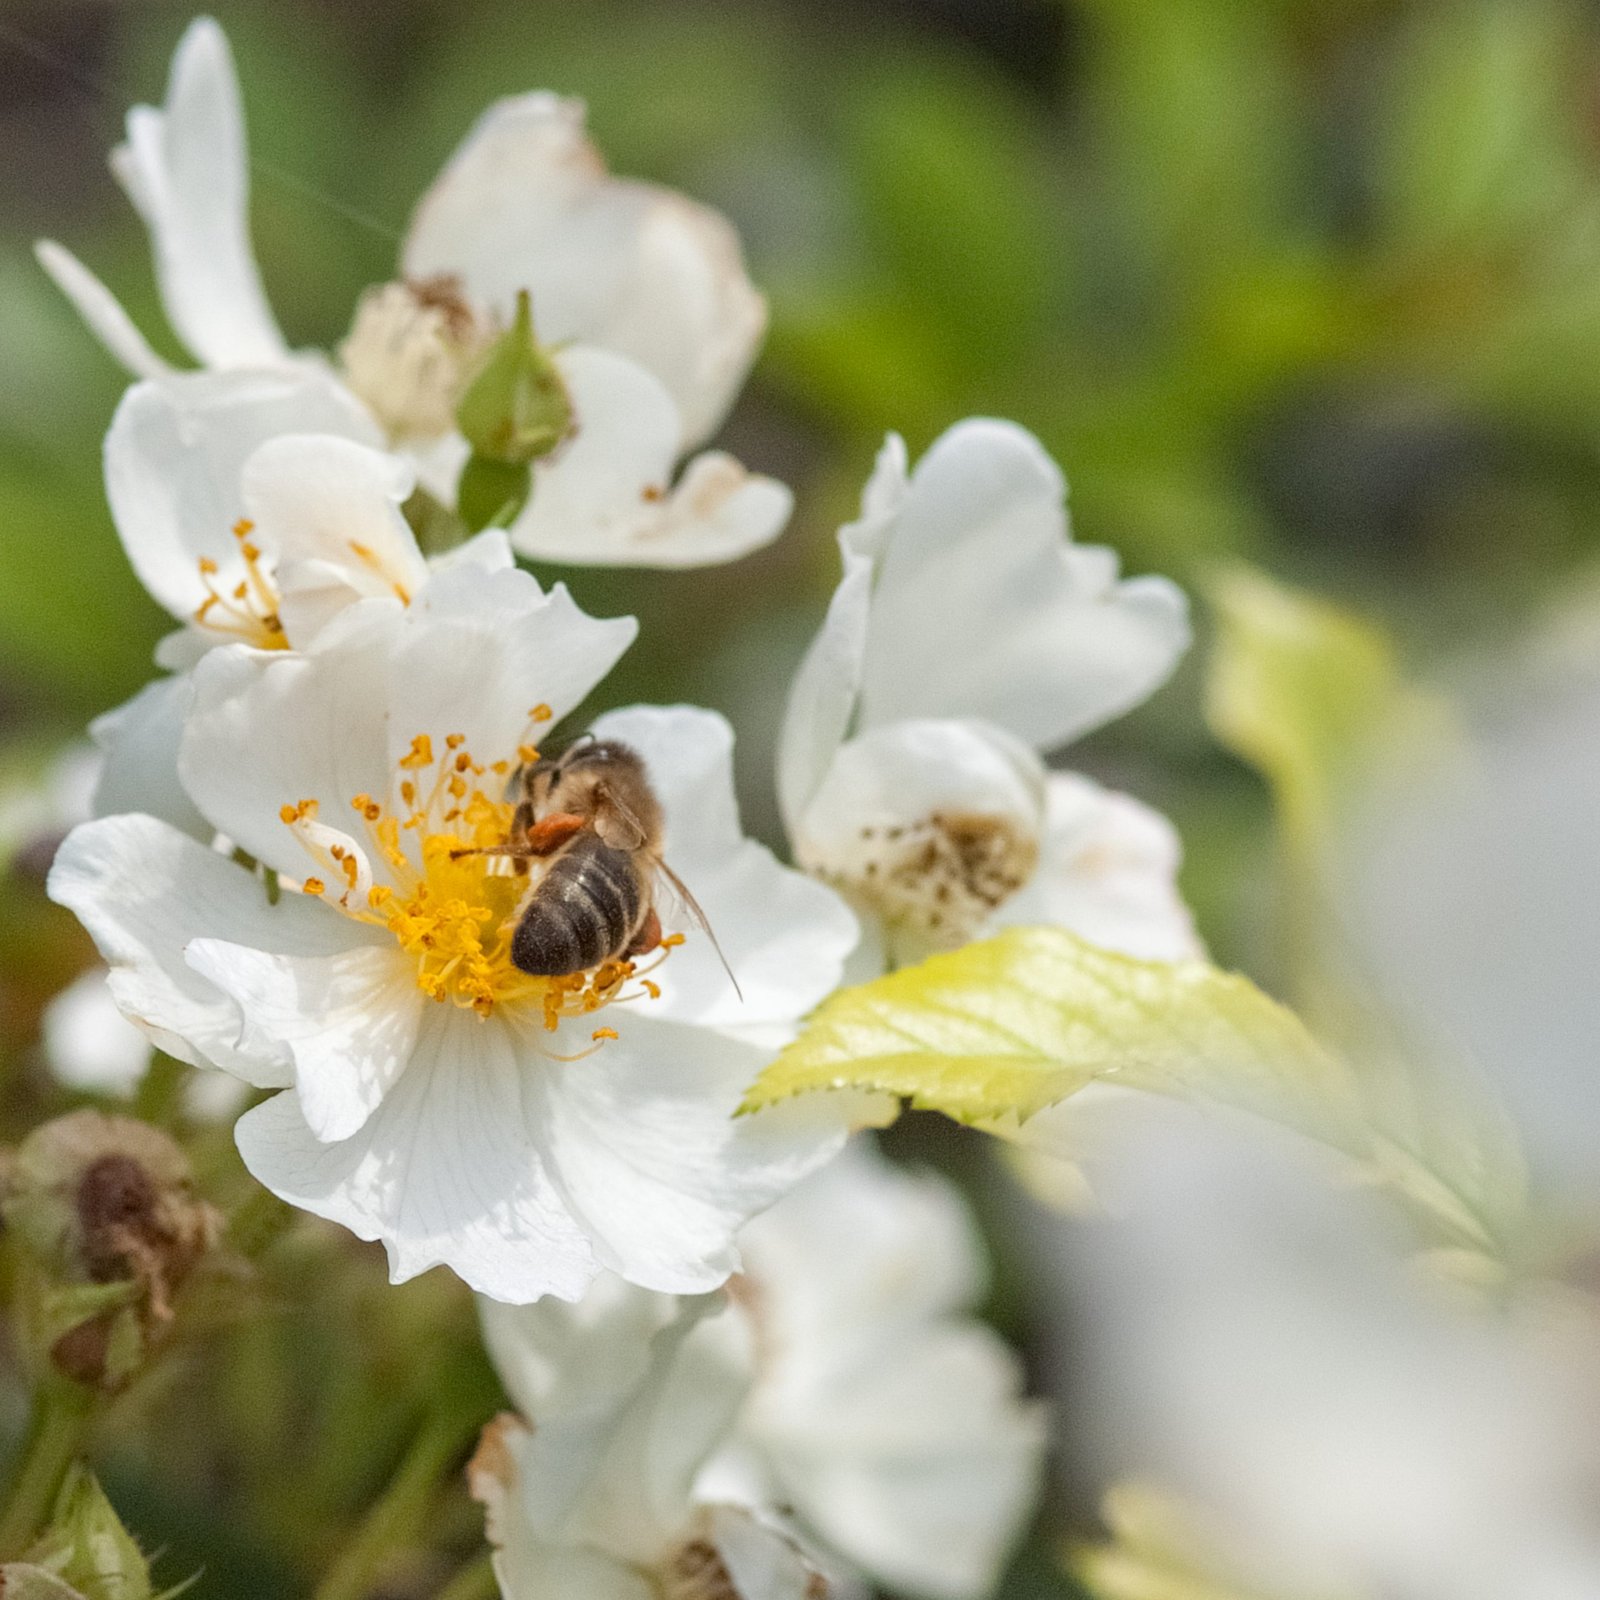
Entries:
{"x":1310,"y":282}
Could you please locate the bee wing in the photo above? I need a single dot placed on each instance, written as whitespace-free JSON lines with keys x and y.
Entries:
{"x":615,"y":822}
{"x":681,"y":890}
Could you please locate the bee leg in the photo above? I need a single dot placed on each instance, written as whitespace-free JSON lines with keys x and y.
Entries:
{"x":538,"y":840}
{"x":647,"y":938}
{"x":550,"y":833}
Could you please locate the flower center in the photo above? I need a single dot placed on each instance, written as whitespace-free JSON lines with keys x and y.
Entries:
{"x":940,"y":878}
{"x":450,"y":902}
{"x":410,"y":353}
{"x":247,"y":611}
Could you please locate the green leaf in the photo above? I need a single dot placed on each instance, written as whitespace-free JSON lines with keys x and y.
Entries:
{"x":994,"y":1033}
{"x":1302,"y":690}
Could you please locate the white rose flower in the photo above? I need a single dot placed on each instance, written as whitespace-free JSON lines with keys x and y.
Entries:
{"x":644,"y":290}
{"x":883,"y":1412}
{"x":254,"y":509}
{"x":527,"y":1132}
{"x":593,"y":1497}
{"x":967,"y":635}
{"x":870,"y":1403}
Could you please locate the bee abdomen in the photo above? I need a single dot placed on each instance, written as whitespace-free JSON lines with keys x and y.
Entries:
{"x":585,"y":910}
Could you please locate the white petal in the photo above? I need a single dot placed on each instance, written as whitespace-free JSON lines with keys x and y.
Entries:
{"x":144,"y":891}
{"x":627,"y":1394}
{"x":922,"y":1469}
{"x":473,"y":654}
{"x":760,"y":1561}
{"x":526,"y":203}
{"x":186,"y":171}
{"x":482,"y":648}
{"x":447,"y":1170}
{"x":892,"y":1422}
{"x":89,"y":1044}
{"x":139,"y":741}
{"x":1108,"y":870}
{"x":607,"y":497}
{"x":269,"y":729}
{"x":900,"y":775}
{"x":526,"y":1566}
{"x":328,"y":509}
{"x":650,"y":1157}
{"x":983,"y":608}
{"x":99,"y":308}
{"x":175,"y":457}
{"x":349,"y":1021}
{"x":785,"y":937}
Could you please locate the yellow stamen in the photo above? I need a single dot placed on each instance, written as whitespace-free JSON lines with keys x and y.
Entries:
{"x":450,"y":905}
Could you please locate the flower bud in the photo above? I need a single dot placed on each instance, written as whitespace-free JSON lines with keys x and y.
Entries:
{"x":516,"y":408}
{"x":104,"y":1211}
{"x":85,"y":1554}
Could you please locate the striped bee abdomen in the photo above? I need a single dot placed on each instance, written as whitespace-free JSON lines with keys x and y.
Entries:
{"x":585,"y":910}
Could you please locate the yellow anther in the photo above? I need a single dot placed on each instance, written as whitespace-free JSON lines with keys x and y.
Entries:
{"x":288,"y":814}
{"x":313,"y":886}
{"x":454,"y":741}
{"x":541,"y":713}
{"x":603,"y":1033}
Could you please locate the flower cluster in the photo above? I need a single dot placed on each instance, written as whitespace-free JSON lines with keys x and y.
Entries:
{"x":321,"y":838}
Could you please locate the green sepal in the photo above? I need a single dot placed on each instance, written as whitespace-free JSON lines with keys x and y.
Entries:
{"x":87,"y":1547}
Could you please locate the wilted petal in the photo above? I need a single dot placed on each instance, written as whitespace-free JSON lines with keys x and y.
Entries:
{"x":607,"y":498}
{"x":185,"y":169}
{"x":526,"y":203}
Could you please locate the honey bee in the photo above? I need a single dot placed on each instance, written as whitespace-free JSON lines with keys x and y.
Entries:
{"x":592,"y":816}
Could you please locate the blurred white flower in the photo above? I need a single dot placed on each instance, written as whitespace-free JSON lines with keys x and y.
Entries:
{"x":460,"y":1131}
{"x":1254,"y":1339}
{"x":592,"y":1497}
{"x":967,"y":635}
{"x":644,"y":290}
{"x":1468,"y":887}
{"x":883,"y":1412}
{"x":866,"y":1399}
{"x":89,"y":1044}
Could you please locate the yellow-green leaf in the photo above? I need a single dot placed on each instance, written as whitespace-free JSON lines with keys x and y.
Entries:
{"x":1159,"y":1549}
{"x":1000,"y":1030}
{"x":1301,"y":689}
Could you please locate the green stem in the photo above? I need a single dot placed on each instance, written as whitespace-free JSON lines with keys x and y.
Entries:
{"x":475,"y":1581}
{"x":392,"y":1524}
{"x":57,"y":1426}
